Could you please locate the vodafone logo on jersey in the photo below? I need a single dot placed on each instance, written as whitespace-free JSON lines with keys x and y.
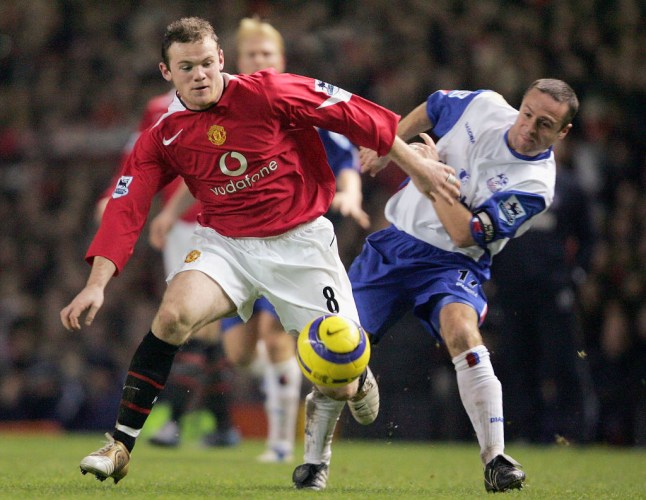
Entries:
{"x":234,"y":164}
{"x":241,"y":162}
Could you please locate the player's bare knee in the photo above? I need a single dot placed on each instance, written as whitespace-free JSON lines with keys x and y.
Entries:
{"x":238,"y":348}
{"x":171,"y":326}
{"x":460,"y":339}
{"x":280,"y":348}
{"x":239,"y":357}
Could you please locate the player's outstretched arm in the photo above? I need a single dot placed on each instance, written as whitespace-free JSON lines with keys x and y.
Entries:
{"x":432,"y":178}
{"x":414,"y":123}
{"x":99,"y":208}
{"x":89,"y":299}
{"x":428,"y":148}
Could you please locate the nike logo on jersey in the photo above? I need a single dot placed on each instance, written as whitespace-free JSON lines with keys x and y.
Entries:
{"x":336,"y":94}
{"x":166,"y":142}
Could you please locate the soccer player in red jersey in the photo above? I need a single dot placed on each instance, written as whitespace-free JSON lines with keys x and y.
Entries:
{"x":248,"y":150}
{"x":201,"y":369}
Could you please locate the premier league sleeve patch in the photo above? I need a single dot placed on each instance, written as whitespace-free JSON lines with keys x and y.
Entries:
{"x":510,"y":210}
{"x":335,"y":94}
{"x":122,"y":186}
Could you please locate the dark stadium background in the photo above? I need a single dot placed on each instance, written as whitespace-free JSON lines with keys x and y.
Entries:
{"x":75,"y":75}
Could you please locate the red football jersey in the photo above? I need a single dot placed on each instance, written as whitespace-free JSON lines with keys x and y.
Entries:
{"x":254,"y":159}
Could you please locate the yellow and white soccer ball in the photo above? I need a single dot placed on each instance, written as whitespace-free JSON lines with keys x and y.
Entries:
{"x":332,"y":350}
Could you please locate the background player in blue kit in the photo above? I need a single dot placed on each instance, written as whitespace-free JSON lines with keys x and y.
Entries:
{"x":435,"y":257}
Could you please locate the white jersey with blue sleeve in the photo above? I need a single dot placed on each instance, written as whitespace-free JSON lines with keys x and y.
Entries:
{"x":504,"y":189}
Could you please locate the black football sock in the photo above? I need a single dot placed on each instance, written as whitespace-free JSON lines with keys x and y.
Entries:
{"x":146,"y":378}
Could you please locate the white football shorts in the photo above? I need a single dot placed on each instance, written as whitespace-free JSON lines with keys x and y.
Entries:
{"x":178,"y":244}
{"x":299,"y":272}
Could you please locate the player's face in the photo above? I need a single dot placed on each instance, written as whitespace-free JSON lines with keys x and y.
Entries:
{"x":195,"y":71}
{"x":259,"y":53}
{"x":539,"y":124}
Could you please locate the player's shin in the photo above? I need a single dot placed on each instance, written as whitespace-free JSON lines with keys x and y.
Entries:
{"x":283,"y":388}
{"x":321,"y":416}
{"x":147,"y":375}
{"x":481,"y":395}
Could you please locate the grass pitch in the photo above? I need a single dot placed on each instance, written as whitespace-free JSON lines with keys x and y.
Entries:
{"x":35,"y":466}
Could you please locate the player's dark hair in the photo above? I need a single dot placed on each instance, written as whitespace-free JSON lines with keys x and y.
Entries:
{"x":560,"y":92}
{"x":186,"y":30}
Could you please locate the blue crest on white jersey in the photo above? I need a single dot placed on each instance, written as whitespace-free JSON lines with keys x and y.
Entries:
{"x":497,"y":183}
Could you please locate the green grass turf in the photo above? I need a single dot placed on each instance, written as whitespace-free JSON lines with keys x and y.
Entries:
{"x":34,"y":466}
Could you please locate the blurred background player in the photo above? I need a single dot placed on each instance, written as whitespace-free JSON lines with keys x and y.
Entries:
{"x":261,"y":344}
{"x":201,"y":374}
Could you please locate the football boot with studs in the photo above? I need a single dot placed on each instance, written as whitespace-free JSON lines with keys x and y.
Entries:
{"x":502,"y":474}
{"x":310,"y":476}
{"x":110,"y":461}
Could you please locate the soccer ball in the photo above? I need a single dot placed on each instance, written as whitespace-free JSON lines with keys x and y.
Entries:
{"x":332,"y":351}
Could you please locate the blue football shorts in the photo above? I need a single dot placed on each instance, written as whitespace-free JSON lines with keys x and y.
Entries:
{"x":396,"y":273}
{"x":261,"y":304}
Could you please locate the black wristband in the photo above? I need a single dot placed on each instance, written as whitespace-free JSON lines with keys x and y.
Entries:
{"x":482,"y":229}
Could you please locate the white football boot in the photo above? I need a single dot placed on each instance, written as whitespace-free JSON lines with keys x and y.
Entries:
{"x":364,"y":406}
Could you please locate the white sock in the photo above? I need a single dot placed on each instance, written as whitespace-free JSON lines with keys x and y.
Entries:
{"x":321,"y":416}
{"x":282,"y":399}
{"x":481,"y":395}
{"x":259,"y":364}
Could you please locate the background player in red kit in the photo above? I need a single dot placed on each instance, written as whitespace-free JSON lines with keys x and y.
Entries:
{"x":247,"y":148}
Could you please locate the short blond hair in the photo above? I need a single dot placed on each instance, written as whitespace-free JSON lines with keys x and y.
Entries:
{"x":251,"y":27}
